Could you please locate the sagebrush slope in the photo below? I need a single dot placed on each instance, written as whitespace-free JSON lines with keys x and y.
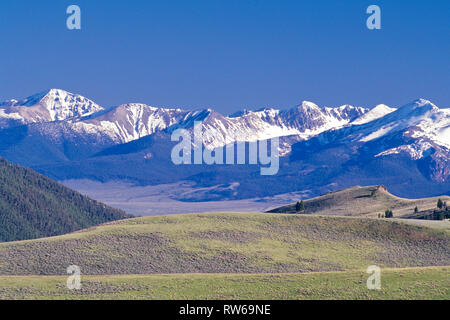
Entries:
{"x":229,"y":243}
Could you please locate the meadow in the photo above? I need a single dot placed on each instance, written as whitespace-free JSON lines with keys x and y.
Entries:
{"x":404,"y":283}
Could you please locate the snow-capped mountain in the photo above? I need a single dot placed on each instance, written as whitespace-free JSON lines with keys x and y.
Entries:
{"x":129,"y":122}
{"x":50,"y":105}
{"x":304,"y":121}
{"x":133,"y":121}
{"x":86,"y":120}
{"x":426,"y":134}
{"x":68,"y":136}
{"x":420,"y":122}
{"x":418,"y":130}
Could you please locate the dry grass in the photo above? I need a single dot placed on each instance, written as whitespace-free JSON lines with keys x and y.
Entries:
{"x":362,"y":201}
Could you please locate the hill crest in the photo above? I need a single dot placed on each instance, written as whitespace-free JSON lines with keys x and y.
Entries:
{"x":361,"y":201}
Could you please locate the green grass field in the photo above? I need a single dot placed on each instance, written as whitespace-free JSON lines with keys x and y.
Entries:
{"x":408,"y":283}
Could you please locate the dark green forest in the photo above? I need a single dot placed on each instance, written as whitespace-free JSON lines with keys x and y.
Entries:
{"x":34,"y":206}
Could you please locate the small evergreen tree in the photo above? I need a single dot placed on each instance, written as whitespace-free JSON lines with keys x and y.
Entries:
{"x":300,"y":206}
{"x":388,"y":213}
{"x":416,"y":209}
{"x":440,"y":204}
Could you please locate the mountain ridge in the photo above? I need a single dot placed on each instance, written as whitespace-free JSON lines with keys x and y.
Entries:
{"x":104,"y":121}
{"x":131,"y":121}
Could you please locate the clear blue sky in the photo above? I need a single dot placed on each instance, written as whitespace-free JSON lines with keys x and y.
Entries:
{"x":228,"y":54}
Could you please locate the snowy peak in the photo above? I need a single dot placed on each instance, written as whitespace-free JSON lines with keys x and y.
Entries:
{"x":37,"y":98}
{"x":309,"y":119}
{"x":345,"y":113}
{"x":378,"y":112}
{"x":419,"y":105}
{"x":424,"y":102}
{"x":50,"y":105}
{"x":308,"y":106}
{"x":411,"y":114}
{"x":417,"y":129}
{"x":63,"y":105}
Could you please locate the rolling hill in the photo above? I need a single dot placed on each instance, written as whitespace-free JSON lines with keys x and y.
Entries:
{"x":362,"y":201}
{"x":34,"y":206}
{"x":230,"y":243}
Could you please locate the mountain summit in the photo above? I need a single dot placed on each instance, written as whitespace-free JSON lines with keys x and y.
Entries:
{"x":50,"y":105}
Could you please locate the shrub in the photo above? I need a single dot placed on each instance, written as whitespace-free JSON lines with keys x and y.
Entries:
{"x":388,"y":213}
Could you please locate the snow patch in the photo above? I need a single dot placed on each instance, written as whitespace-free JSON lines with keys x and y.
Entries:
{"x":378,"y":112}
{"x":379,"y":133}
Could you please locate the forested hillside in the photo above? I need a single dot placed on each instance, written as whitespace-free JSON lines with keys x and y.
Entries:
{"x":33,"y":206}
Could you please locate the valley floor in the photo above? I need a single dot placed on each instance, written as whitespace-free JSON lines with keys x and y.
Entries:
{"x":162,"y":199}
{"x":400,"y":283}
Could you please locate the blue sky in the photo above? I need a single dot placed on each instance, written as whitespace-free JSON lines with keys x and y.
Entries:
{"x":228,"y":54}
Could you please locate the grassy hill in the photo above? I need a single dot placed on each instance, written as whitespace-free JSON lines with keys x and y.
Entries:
{"x":363,"y":201}
{"x":230,"y":243}
{"x":404,"y":283}
{"x":33,"y":206}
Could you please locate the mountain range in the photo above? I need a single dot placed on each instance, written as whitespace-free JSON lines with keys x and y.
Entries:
{"x":67,"y":136}
{"x":63,"y":116}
